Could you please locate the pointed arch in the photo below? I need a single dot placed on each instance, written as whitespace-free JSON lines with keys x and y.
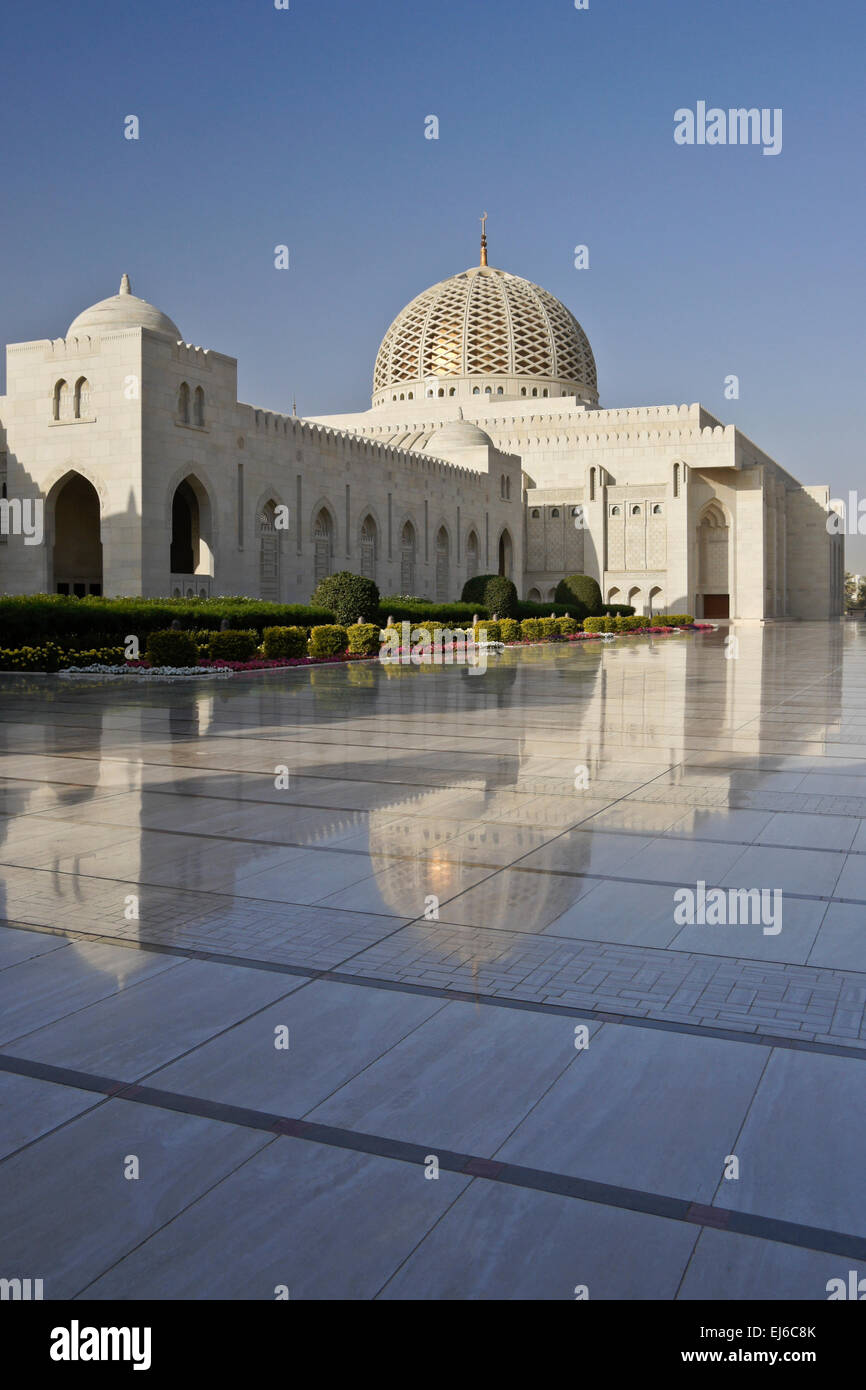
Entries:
{"x":74,"y":516}
{"x":323,"y":529}
{"x":443,"y":562}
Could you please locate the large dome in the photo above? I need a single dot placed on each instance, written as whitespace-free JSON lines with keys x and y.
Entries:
{"x":484,"y":332}
{"x":122,"y":310}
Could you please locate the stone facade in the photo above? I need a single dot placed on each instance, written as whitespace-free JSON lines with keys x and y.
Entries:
{"x":156,"y":480}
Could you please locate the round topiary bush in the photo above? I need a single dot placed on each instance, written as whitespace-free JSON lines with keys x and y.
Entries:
{"x":473,"y":589}
{"x":500,"y":597}
{"x":582,"y":595}
{"x":348,"y":596}
{"x":232,"y":645}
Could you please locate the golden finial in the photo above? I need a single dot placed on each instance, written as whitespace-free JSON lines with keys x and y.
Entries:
{"x":484,"y":239}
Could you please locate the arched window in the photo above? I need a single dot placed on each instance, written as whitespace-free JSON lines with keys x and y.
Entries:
{"x":616,"y":511}
{"x":545,"y":392}
{"x":523,"y":390}
{"x":508,"y":489}
{"x":555,"y":512}
{"x":198,"y":406}
{"x":476,"y":390}
{"x":369,"y":546}
{"x":471,"y":555}
{"x":82,"y":398}
{"x":61,"y":401}
{"x":658,"y":509}
{"x":500,"y":391}
{"x":323,"y":539}
{"x":443,"y":578}
{"x":637,"y":510}
{"x":535,"y":513}
{"x":269,"y":554}
{"x":411,"y":395}
{"x":535,"y":390}
{"x":183,"y":404}
{"x":452,"y":391}
{"x":407,"y":559}
{"x":441,"y":391}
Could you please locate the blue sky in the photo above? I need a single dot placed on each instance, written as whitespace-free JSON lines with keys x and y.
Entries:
{"x":306,"y":127}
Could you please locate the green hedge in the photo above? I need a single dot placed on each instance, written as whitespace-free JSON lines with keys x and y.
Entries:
{"x":509,"y":630}
{"x":525,"y":609}
{"x":284,"y":643}
{"x":419,"y":610}
{"x":329,"y":639}
{"x":170,"y":648}
{"x":37,"y":618}
{"x":530,"y":629}
{"x":488,"y":631}
{"x":232,"y":645}
{"x":567,"y":626}
{"x":618,"y":610}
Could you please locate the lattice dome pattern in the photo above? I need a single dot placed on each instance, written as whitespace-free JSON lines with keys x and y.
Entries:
{"x":481,"y":323}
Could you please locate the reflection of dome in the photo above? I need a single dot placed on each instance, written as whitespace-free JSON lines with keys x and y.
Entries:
{"x":485,"y":323}
{"x":122,"y":310}
{"x":457,"y":434}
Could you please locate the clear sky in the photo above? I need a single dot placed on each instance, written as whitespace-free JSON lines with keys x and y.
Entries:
{"x":305,"y":127}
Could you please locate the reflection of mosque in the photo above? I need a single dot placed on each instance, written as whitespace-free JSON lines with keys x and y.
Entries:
{"x":543,"y":710}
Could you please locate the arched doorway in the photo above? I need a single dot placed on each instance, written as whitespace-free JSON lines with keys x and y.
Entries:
{"x":77,"y":552}
{"x":323,"y":540}
{"x":407,"y":560}
{"x":443,"y":579}
{"x":369,"y":548}
{"x":656,"y":601}
{"x":714,"y":561}
{"x":269,"y":554}
{"x":191,"y":549}
{"x":505,"y":554}
{"x":635,"y":600}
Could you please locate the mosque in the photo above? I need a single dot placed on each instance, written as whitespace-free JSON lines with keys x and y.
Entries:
{"x":485,"y":450}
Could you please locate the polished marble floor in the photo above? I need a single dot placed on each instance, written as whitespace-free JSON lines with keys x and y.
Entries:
{"x":377,"y":973}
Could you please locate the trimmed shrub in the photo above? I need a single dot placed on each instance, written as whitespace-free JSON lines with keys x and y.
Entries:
{"x":599,"y":624}
{"x":530,"y":629}
{"x":329,"y":639}
{"x":348,"y":596}
{"x":567,"y":626}
{"x":96,"y":656}
{"x":473,"y":589}
{"x":232,"y":646}
{"x":500,"y":597}
{"x":581,"y":593}
{"x":171,"y":648}
{"x":672,"y":620}
{"x":48,"y":657}
{"x":549,"y":629}
{"x":364,"y":639}
{"x":487,"y":631}
{"x":509,"y":630}
{"x":623,"y":623}
{"x":284,"y":643}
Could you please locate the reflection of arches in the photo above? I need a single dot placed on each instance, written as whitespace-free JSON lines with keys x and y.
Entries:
{"x":505,"y":554}
{"x":471,"y":553}
{"x":323,"y":540}
{"x":369,"y":546}
{"x":407,"y":558}
{"x":443,"y":578}
{"x":191,"y":529}
{"x":77,"y":550}
{"x":269,"y":553}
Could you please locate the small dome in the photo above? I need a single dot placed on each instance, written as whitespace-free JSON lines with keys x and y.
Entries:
{"x":122,"y":310}
{"x":457,"y":434}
